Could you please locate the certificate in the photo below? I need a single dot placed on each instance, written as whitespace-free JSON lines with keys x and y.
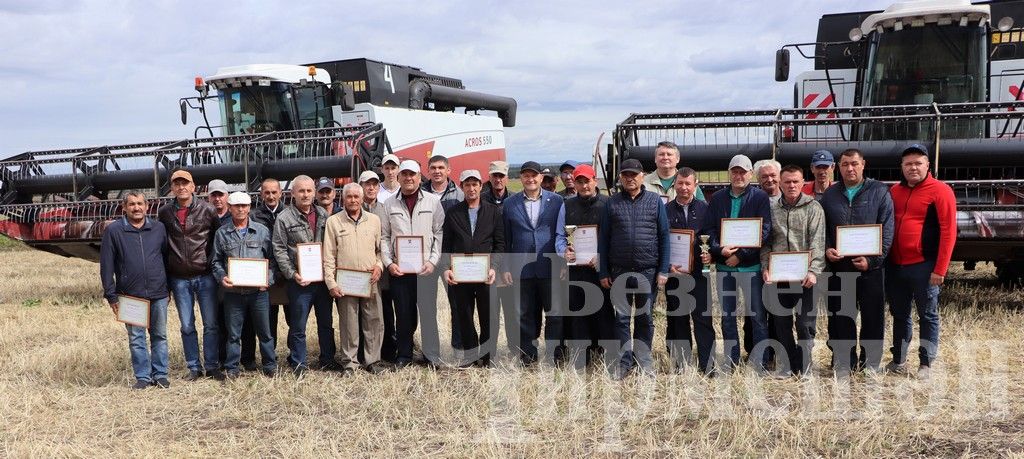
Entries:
{"x":584,"y":243}
{"x":409,"y":253}
{"x":249,"y":272}
{"x":859,"y":240}
{"x":353,"y":282}
{"x":471,"y":268}
{"x":681,"y":254}
{"x":310,"y":261}
{"x":788,"y":266}
{"x":133,"y":311}
{"x":740,"y":232}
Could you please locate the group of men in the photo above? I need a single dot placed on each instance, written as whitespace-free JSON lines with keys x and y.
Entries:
{"x":534,"y":279}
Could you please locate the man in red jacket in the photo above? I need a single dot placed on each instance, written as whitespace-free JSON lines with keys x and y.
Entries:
{"x":924,"y":211}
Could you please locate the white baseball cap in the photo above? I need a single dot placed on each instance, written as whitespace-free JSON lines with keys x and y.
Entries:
{"x":217,"y":186}
{"x":468,"y":174}
{"x":409,"y":165}
{"x":741,"y":161}
{"x":390,"y":157}
{"x":368,"y":175}
{"x":239,"y":197}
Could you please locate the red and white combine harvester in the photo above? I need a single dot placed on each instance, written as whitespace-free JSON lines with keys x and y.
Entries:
{"x":332,"y":119}
{"x":943,"y":73}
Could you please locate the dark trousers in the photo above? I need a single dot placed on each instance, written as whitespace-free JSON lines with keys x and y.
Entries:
{"x":466,"y":299}
{"x":535,"y":312}
{"x":415,"y":298}
{"x":796,"y":354}
{"x":686,"y":312}
{"x":388,"y":348}
{"x":751,"y":284}
{"x":251,"y":306}
{"x":748,"y":336}
{"x":597,"y":326}
{"x":868,"y":295}
{"x":507,"y":312}
{"x":910,"y":283}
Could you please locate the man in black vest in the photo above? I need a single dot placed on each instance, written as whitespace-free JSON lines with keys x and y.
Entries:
{"x":638,"y":223}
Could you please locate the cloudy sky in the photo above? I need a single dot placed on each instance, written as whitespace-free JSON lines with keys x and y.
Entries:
{"x":79,"y":73}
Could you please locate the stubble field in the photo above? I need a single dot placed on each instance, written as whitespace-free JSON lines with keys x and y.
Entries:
{"x":65,"y":372}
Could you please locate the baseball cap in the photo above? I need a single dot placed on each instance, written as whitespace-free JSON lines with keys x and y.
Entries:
{"x":584,"y":170}
{"x":390,"y":157}
{"x":631,"y":165}
{"x":822,"y":158}
{"x":468,"y":174}
{"x":572,"y":164}
{"x":530,"y":166}
{"x":217,"y":186}
{"x":239,"y":197}
{"x":498,"y":167}
{"x":324,"y":183}
{"x":409,"y":165}
{"x":740,"y":161}
{"x":915,"y":148}
{"x":367,"y":176}
{"x":182,"y":174}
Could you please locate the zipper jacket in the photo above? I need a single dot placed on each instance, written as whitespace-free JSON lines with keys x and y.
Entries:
{"x":871,"y":205}
{"x":292,"y":228}
{"x":925,"y":223}
{"x":229,"y":243}
{"x":189,"y":247}
{"x":132,"y":260}
{"x":797,"y":228}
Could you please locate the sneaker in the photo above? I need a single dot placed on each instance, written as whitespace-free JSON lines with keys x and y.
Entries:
{"x":163,"y":383}
{"x":896,"y":368}
{"x":140,"y":384}
{"x":924,"y":372}
{"x":194,"y":375}
{"x":217,"y":375}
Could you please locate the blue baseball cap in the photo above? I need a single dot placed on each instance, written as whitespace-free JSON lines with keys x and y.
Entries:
{"x":570,"y":163}
{"x":915,"y":148}
{"x":822,"y":158}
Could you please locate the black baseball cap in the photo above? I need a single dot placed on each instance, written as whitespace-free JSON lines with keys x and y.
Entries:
{"x":530,"y":166}
{"x":631,"y":165}
{"x":915,"y":148}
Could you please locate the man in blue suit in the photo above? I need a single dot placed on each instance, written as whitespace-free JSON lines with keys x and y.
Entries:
{"x":534,"y":222}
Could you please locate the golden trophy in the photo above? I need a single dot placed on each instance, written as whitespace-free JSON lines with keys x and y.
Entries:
{"x":705,"y":248}
{"x":569,"y":229}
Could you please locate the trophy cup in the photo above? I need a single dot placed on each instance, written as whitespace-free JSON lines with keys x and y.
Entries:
{"x":569,"y":229}
{"x":705,"y":248}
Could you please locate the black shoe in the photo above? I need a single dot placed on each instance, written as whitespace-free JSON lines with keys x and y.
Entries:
{"x":331,"y":366}
{"x":299,"y":372}
{"x":217,"y":375}
{"x":467,"y":365}
{"x":250,"y":366}
{"x":140,"y":384}
{"x":402,"y":364}
{"x":270,"y":373}
{"x":231,"y":375}
{"x":194,"y":375}
{"x":377,"y":368}
{"x":162,"y":383}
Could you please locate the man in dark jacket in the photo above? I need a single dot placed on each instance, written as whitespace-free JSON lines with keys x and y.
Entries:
{"x":495,"y":192}
{"x":686,"y":212}
{"x":595,"y":328}
{"x":740,"y":266}
{"x":636,"y":220}
{"x":856,"y":200}
{"x":132,"y":264}
{"x":472,"y":227}
{"x":265,"y":213}
{"x":191,"y":225}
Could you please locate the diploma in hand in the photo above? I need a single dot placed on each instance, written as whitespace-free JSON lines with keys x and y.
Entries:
{"x":859,"y":240}
{"x":249,"y":272}
{"x":682,"y":249}
{"x":310,"y":261}
{"x":409,"y":251}
{"x":133,"y":311}
{"x":788,"y":266}
{"x":471,"y":268}
{"x":584,"y":243}
{"x":740,"y":232}
{"x":352,"y":282}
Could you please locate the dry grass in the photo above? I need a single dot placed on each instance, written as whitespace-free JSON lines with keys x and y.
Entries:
{"x":64,"y":376}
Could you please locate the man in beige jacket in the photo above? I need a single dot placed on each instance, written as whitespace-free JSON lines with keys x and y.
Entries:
{"x":798,"y":225}
{"x":352,"y":242}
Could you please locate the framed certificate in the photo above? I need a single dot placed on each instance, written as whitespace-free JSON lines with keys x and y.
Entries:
{"x":740,"y":232}
{"x":353,"y":282}
{"x":584,"y":243}
{"x":310,"y":261}
{"x":681,"y":254}
{"x":859,"y":240}
{"x":409,"y":253}
{"x":788,"y":266}
{"x":249,"y":272}
{"x":133,"y":311}
{"x":471,"y":268}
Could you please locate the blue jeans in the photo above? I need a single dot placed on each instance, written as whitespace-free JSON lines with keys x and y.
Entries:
{"x":301,"y":300}
{"x":150,"y":364}
{"x":187,"y":292}
{"x":256,"y":308}
{"x":751,"y":284}
{"x":634,"y":348}
{"x":910,"y":283}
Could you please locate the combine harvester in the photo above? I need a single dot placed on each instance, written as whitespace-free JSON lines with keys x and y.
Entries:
{"x":332,"y":119}
{"x":948,"y":74}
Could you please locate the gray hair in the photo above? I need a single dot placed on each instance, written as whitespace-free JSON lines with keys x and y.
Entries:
{"x":133,"y":194}
{"x":766,"y":162}
{"x":350,"y":187}
{"x":303,"y":178}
